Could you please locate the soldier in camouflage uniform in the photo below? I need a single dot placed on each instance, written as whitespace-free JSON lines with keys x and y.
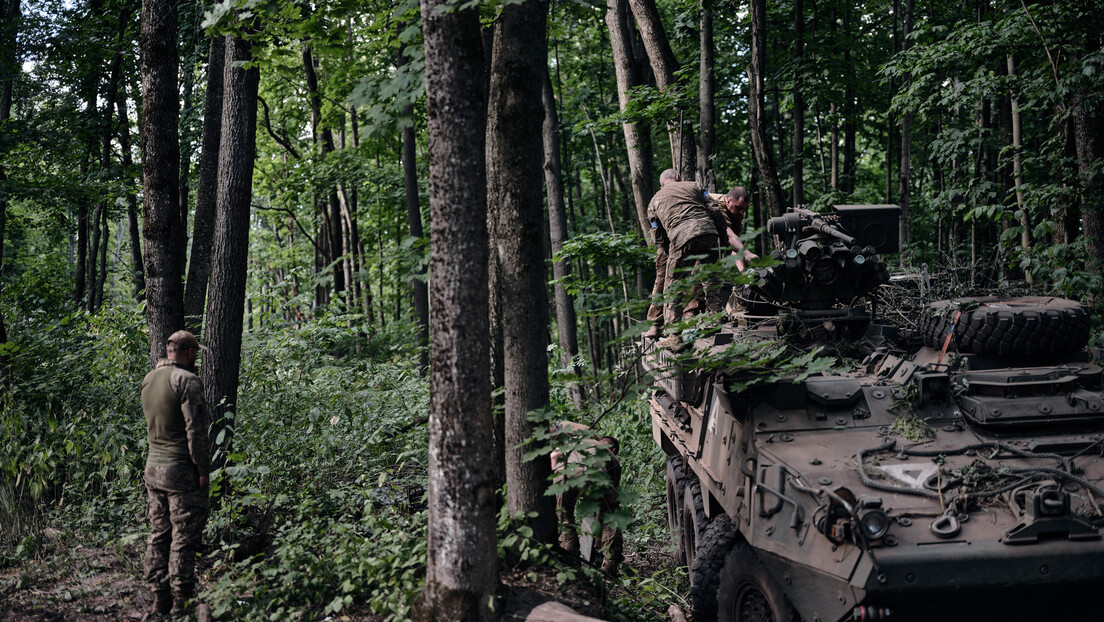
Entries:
{"x":609,"y":542}
{"x":177,"y":471}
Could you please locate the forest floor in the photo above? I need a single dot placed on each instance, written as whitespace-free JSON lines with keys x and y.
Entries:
{"x":68,"y":581}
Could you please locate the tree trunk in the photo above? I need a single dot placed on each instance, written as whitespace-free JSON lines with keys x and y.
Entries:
{"x":137,"y":269}
{"x":905,"y":169}
{"x":226,"y":292}
{"x":638,"y":142}
{"x":557,"y":227}
{"x":1088,"y":122}
{"x":414,"y":222}
{"x":9,"y":71}
{"x":160,"y":166}
{"x":462,"y":560}
{"x":799,"y":105}
{"x":203,"y":223}
{"x":1017,"y":169}
{"x":707,"y":133}
{"x":756,"y":119}
{"x":664,"y":66}
{"x":324,"y":139}
{"x":514,"y":175}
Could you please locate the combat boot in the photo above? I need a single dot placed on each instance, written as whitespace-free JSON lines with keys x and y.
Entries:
{"x":183,"y":600}
{"x":161,"y":606}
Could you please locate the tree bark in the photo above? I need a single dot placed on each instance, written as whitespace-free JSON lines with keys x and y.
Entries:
{"x":566,"y":323}
{"x":514,"y":175}
{"x":707,"y":131}
{"x":414,"y":223}
{"x":1017,"y":169}
{"x":799,"y":105}
{"x":324,"y":139}
{"x":638,"y":142}
{"x":226,"y":291}
{"x":160,"y":166}
{"x":756,"y":119}
{"x":203,"y":223}
{"x":904,"y":172}
{"x":137,"y":270}
{"x":462,"y":560}
{"x":9,"y":71}
{"x":664,"y":66}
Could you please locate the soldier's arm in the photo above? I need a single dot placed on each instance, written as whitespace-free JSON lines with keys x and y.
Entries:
{"x":197,"y":420}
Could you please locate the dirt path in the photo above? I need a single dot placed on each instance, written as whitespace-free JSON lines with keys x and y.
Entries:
{"x":74,"y":582}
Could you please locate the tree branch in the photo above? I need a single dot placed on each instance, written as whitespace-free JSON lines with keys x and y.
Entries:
{"x":293,"y":218}
{"x":268,"y":126}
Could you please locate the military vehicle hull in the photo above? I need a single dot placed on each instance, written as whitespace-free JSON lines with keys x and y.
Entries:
{"x":959,"y":479}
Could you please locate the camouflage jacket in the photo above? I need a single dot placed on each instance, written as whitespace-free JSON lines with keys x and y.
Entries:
{"x":176,"y":417}
{"x":684,"y":210}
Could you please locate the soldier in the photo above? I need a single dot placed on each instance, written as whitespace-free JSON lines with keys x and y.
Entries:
{"x":684,"y":224}
{"x":610,"y":541}
{"x":177,"y":473}
{"x":735,"y":207}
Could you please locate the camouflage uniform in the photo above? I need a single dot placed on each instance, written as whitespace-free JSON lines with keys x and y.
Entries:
{"x":610,"y":541}
{"x":179,"y":454}
{"x":688,"y":225}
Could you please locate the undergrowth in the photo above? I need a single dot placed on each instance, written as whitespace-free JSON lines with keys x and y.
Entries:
{"x":321,"y":510}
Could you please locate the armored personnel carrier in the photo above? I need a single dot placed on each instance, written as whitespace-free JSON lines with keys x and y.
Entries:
{"x":949,"y":469}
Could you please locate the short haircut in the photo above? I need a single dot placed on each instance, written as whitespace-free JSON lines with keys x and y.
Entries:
{"x":738,"y":193}
{"x":613,"y":443}
{"x":668,"y":175}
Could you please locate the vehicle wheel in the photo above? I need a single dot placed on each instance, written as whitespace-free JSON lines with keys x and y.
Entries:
{"x":1007,"y":326}
{"x":676,"y":486}
{"x":748,"y":594}
{"x":705,"y":574}
{"x":693,"y":522}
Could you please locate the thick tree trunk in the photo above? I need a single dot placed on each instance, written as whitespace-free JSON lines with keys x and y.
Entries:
{"x":664,"y":66}
{"x":707,"y":133}
{"x":462,"y":561}
{"x":557,"y":230}
{"x":160,"y":166}
{"x":226,"y":292}
{"x":638,"y":142}
{"x":1088,"y":123}
{"x":756,"y":119}
{"x":203,"y":223}
{"x":9,"y":71}
{"x":514,"y":175}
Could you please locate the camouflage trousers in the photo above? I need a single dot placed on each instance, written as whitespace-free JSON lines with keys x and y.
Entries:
{"x":609,"y":542}
{"x":177,"y":513}
{"x":681,"y":259}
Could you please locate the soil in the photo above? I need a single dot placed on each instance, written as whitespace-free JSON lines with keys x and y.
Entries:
{"x":68,"y":581}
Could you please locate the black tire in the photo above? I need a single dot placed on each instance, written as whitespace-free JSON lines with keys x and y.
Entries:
{"x":676,"y":487}
{"x":1007,"y":326}
{"x":693,"y":522}
{"x":747,"y":593}
{"x":705,"y":575}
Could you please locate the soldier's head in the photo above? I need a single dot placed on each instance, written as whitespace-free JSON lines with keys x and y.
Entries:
{"x":183,"y":347}
{"x":610,"y":442}
{"x":736,"y":201}
{"x":668,"y":176}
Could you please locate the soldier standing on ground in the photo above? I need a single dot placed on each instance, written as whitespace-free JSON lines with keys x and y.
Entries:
{"x":177,"y":473}
{"x":573,"y":465}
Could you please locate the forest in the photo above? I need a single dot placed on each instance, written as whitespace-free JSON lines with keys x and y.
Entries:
{"x":413,"y":236}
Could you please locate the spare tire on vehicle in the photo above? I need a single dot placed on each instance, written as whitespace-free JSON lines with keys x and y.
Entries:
{"x":1012,"y":327}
